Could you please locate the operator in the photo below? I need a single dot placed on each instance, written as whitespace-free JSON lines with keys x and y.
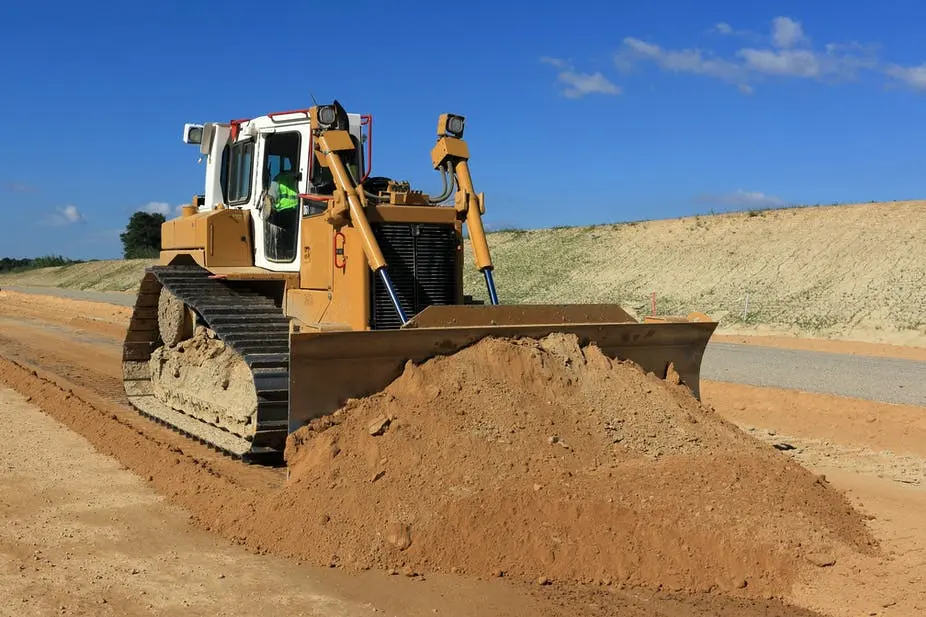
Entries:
{"x":284,"y":192}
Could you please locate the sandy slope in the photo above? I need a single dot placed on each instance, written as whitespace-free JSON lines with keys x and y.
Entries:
{"x":854,"y":271}
{"x":857,"y":269}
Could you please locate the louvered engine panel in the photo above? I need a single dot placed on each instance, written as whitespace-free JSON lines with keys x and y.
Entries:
{"x":421,"y":261}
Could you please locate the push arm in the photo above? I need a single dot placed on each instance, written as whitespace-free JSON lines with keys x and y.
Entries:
{"x":331,"y":139}
{"x":451,"y":147}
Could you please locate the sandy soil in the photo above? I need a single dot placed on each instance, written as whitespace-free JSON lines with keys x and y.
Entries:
{"x":872,"y":452}
{"x":876,"y":453}
{"x":80,"y":535}
{"x":175,"y":468}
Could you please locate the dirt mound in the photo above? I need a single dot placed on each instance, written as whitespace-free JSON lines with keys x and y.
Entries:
{"x":547,"y":460}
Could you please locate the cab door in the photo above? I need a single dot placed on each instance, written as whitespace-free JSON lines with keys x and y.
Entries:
{"x":277,"y":232}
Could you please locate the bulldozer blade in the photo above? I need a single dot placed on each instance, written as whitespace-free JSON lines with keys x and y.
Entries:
{"x":327,"y":368}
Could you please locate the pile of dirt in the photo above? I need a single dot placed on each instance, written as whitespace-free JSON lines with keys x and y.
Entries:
{"x":206,"y":379}
{"x":545,"y":460}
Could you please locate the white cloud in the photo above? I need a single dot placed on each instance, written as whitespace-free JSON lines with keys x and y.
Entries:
{"x":792,"y":62}
{"x":162,"y":207}
{"x":743,"y":199}
{"x":66,"y":215}
{"x":788,"y":56}
{"x":912,"y":76}
{"x":787,"y":33}
{"x":680,"y":60}
{"x":578,"y":84}
{"x":19,"y":187}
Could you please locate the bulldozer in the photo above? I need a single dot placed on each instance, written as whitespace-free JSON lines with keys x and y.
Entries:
{"x":298,"y":280}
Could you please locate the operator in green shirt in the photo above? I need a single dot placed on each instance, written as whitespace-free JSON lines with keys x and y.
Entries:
{"x":284,"y":191}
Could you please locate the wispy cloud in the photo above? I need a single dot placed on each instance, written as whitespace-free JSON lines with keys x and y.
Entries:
{"x":19,"y":187}
{"x":741,"y":199}
{"x":696,"y":61}
{"x":912,"y":76}
{"x":786,"y":51}
{"x":161,"y":207}
{"x":576,"y":84}
{"x":66,"y":215}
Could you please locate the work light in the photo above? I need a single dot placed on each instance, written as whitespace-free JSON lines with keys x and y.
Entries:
{"x":327,"y":116}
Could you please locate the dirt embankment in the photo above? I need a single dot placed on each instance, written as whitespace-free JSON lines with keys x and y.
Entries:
{"x":853,"y":271}
{"x":104,"y":275}
{"x":850,"y":271}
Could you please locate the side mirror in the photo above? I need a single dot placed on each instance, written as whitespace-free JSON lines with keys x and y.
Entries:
{"x":208,"y":135}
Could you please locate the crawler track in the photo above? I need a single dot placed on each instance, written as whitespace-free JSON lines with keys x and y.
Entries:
{"x":249,"y":322}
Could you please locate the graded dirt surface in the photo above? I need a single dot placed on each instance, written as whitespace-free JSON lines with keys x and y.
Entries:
{"x":214,"y":490}
{"x":77,"y":383}
{"x":876,"y":453}
{"x":80,"y":535}
{"x":852,"y":271}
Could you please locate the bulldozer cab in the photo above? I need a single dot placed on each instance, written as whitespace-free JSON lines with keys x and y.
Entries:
{"x":255,"y":157}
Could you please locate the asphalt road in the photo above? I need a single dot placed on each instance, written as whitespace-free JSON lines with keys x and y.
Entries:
{"x":887,"y":380}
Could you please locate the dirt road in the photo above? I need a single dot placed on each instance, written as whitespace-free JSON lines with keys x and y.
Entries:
{"x":106,"y":491}
{"x":876,"y":453}
{"x":108,"y":507}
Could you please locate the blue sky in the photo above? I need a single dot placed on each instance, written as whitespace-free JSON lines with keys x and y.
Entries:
{"x":577,"y":113}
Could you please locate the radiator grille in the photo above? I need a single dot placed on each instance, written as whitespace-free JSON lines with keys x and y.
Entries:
{"x":421,"y":261}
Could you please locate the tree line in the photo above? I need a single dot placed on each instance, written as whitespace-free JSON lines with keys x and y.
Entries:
{"x":12,"y":264}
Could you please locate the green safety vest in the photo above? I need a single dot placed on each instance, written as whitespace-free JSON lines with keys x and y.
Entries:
{"x":289,"y":194}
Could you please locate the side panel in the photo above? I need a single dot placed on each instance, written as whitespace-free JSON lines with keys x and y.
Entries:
{"x":221,"y":237}
{"x":350,"y":284}
{"x":317,"y":253}
{"x":228,"y":239}
{"x":186,"y":232}
{"x":308,"y":307}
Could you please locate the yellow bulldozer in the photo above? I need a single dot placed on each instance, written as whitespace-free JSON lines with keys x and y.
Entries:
{"x":298,"y":280}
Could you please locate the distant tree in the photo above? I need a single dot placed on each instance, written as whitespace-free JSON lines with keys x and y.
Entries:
{"x":142,"y":236}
